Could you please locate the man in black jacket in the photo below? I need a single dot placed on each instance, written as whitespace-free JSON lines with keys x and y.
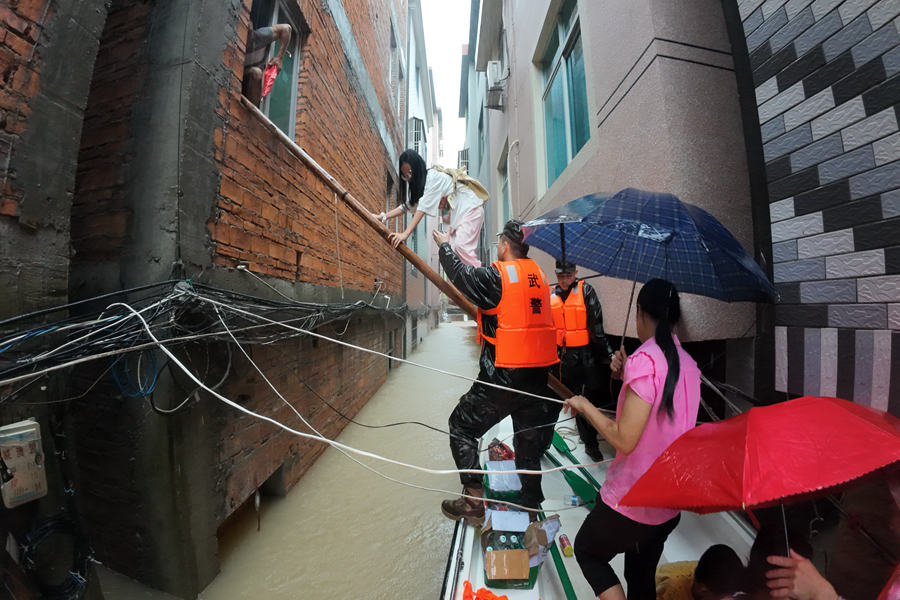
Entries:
{"x":482,"y":407}
{"x":583,"y":347}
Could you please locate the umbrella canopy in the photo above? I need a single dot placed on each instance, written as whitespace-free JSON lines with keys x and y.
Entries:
{"x":788,"y":452}
{"x":637,"y":235}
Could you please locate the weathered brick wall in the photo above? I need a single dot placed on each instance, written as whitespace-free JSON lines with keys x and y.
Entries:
{"x":273,"y":213}
{"x":99,"y":216}
{"x":828,"y":90}
{"x":278,"y":218}
{"x":251,"y":449}
{"x":21,"y":24}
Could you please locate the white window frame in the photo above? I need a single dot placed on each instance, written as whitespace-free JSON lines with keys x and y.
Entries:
{"x":294,"y":49}
{"x":559,"y":62}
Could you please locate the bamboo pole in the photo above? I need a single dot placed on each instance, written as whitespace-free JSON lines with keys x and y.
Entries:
{"x":445,"y":286}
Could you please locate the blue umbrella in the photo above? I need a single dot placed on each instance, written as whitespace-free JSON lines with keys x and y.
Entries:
{"x":638,"y":236}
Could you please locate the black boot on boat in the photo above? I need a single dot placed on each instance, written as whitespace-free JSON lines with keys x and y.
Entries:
{"x":594,"y":453}
{"x":465,"y":508}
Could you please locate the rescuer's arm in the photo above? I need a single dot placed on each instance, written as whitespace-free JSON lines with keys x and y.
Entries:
{"x":482,"y":285}
{"x":600,"y":345}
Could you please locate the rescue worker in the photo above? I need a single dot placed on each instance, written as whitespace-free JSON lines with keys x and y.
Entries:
{"x":580,"y":338}
{"x":518,"y":344}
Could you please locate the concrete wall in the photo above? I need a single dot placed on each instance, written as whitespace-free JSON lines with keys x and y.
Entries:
{"x":177,"y":178}
{"x":43,"y":96}
{"x":649,"y":97}
{"x":826,"y":82}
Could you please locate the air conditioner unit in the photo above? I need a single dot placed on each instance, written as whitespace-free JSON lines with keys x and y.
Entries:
{"x":496,"y":80}
{"x":495,"y":76}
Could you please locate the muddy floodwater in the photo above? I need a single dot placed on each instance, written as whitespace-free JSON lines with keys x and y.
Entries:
{"x":346,"y":532}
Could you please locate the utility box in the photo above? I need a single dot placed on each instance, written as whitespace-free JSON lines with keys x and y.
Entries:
{"x":23,"y":455}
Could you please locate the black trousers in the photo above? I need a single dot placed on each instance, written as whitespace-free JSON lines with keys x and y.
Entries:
{"x":606,"y":533}
{"x":593,"y":382}
{"x":481,"y":408}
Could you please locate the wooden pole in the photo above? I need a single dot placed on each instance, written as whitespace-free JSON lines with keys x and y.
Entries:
{"x":445,"y":286}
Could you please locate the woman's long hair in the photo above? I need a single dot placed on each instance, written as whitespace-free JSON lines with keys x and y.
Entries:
{"x":659,"y":300}
{"x":416,"y":184}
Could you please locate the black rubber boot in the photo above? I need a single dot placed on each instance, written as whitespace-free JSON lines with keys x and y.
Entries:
{"x":466,"y":508}
{"x":594,"y":453}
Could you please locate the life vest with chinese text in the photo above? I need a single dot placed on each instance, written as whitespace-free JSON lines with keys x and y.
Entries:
{"x":570,"y":318}
{"x":526,"y":336}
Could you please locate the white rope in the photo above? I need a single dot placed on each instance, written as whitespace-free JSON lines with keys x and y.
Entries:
{"x":332,"y":443}
{"x":402,"y":360}
{"x":337,"y":237}
{"x":359,"y":462}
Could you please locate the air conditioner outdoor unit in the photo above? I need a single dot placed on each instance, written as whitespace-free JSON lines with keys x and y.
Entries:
{"x":495,"y":76}
{"x":496,"y":80}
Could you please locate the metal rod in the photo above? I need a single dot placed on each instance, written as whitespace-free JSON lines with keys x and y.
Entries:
{"x":787,"y":542}
{"x":342,"y":193}
{"x":562,"y":240}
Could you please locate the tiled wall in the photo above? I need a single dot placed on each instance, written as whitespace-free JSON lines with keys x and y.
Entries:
{"x":827,"y":77}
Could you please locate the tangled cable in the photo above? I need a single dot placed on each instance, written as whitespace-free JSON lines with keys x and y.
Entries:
{"x":76,"y":582}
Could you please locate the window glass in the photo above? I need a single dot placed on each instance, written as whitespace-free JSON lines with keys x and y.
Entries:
{"x":555,"y":123}
{"x":578,"y":108}
{"x":284,"y":92}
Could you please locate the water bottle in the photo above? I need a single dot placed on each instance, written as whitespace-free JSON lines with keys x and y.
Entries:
{"x":572,"y":500}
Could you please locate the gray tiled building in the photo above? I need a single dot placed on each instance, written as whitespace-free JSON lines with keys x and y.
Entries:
{"x":827,"y":81}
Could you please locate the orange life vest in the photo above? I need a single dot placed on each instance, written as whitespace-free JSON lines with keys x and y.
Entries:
{"x":570,"y":318}
{"x":526,"y":336}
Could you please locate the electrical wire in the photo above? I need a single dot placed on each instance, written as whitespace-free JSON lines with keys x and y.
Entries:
{"x":344,"y":452}
{"x":375,"y":352}
{"x":332,"y":443}
{"x":75,"y":584}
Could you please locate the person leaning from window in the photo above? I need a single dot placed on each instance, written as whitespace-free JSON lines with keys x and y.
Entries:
{"x":454,"y":193}
{"x":658,"y":402}
{"x":517,"y":338}
{"x":579,"y":338}
{"x":258,"y":42}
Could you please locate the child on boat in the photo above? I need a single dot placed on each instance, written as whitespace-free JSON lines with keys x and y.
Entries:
{"x":432,"y":191}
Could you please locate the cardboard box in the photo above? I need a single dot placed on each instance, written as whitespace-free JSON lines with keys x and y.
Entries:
{"x":506,"y":564}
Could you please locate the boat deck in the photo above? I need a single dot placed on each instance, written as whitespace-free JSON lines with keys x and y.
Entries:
{"x":694,"y":534}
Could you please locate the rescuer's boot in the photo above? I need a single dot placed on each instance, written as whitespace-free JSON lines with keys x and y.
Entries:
{"x":466,"y":508}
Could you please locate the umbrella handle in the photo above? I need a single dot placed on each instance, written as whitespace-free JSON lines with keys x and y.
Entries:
{"x":628,"y":314}
{"x":787,"y":542}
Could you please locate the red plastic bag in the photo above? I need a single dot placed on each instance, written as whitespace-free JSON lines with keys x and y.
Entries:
{"x":269,"y":79}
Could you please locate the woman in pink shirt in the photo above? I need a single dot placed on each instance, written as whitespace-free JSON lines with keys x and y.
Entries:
{"x":658,"y":402}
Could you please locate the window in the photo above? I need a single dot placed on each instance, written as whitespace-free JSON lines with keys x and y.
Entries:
{"x":462,"y":159}
{"x":280,"y":105}
{"x":564,"y":98}
{"x":417,"y":131}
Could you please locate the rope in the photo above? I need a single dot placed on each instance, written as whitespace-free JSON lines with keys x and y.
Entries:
{"x":317,"y":438}
{"x":337,"y":237}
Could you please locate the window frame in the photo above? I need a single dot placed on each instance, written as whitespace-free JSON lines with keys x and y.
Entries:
{"x":567,"y":39}
{"x":294,"y":49}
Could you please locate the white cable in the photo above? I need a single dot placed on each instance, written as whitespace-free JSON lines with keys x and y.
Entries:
{"x":116,"y":321}
{"x":402,"y":360}
{"x":332,"y":443}
{"x":154,"y":344}
{"x":357,"y":461}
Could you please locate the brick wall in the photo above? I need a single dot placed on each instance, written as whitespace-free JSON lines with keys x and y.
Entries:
{"x":827,"y":76}
{"x":252,"y":450}
{"x":21,"y":25}
{"x":99,"y":215}
{"x":276,"y":215}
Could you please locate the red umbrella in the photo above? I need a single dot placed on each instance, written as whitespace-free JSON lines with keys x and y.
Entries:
{"x":785,"y":452}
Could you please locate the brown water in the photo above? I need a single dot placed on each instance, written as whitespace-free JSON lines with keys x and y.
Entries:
{"x":343,"y":531}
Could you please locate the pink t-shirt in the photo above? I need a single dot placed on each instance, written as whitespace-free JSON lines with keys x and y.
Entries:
{"x":645,"y":373}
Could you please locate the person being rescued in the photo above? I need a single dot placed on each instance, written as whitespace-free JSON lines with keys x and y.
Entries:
{"x":451,"y":192}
